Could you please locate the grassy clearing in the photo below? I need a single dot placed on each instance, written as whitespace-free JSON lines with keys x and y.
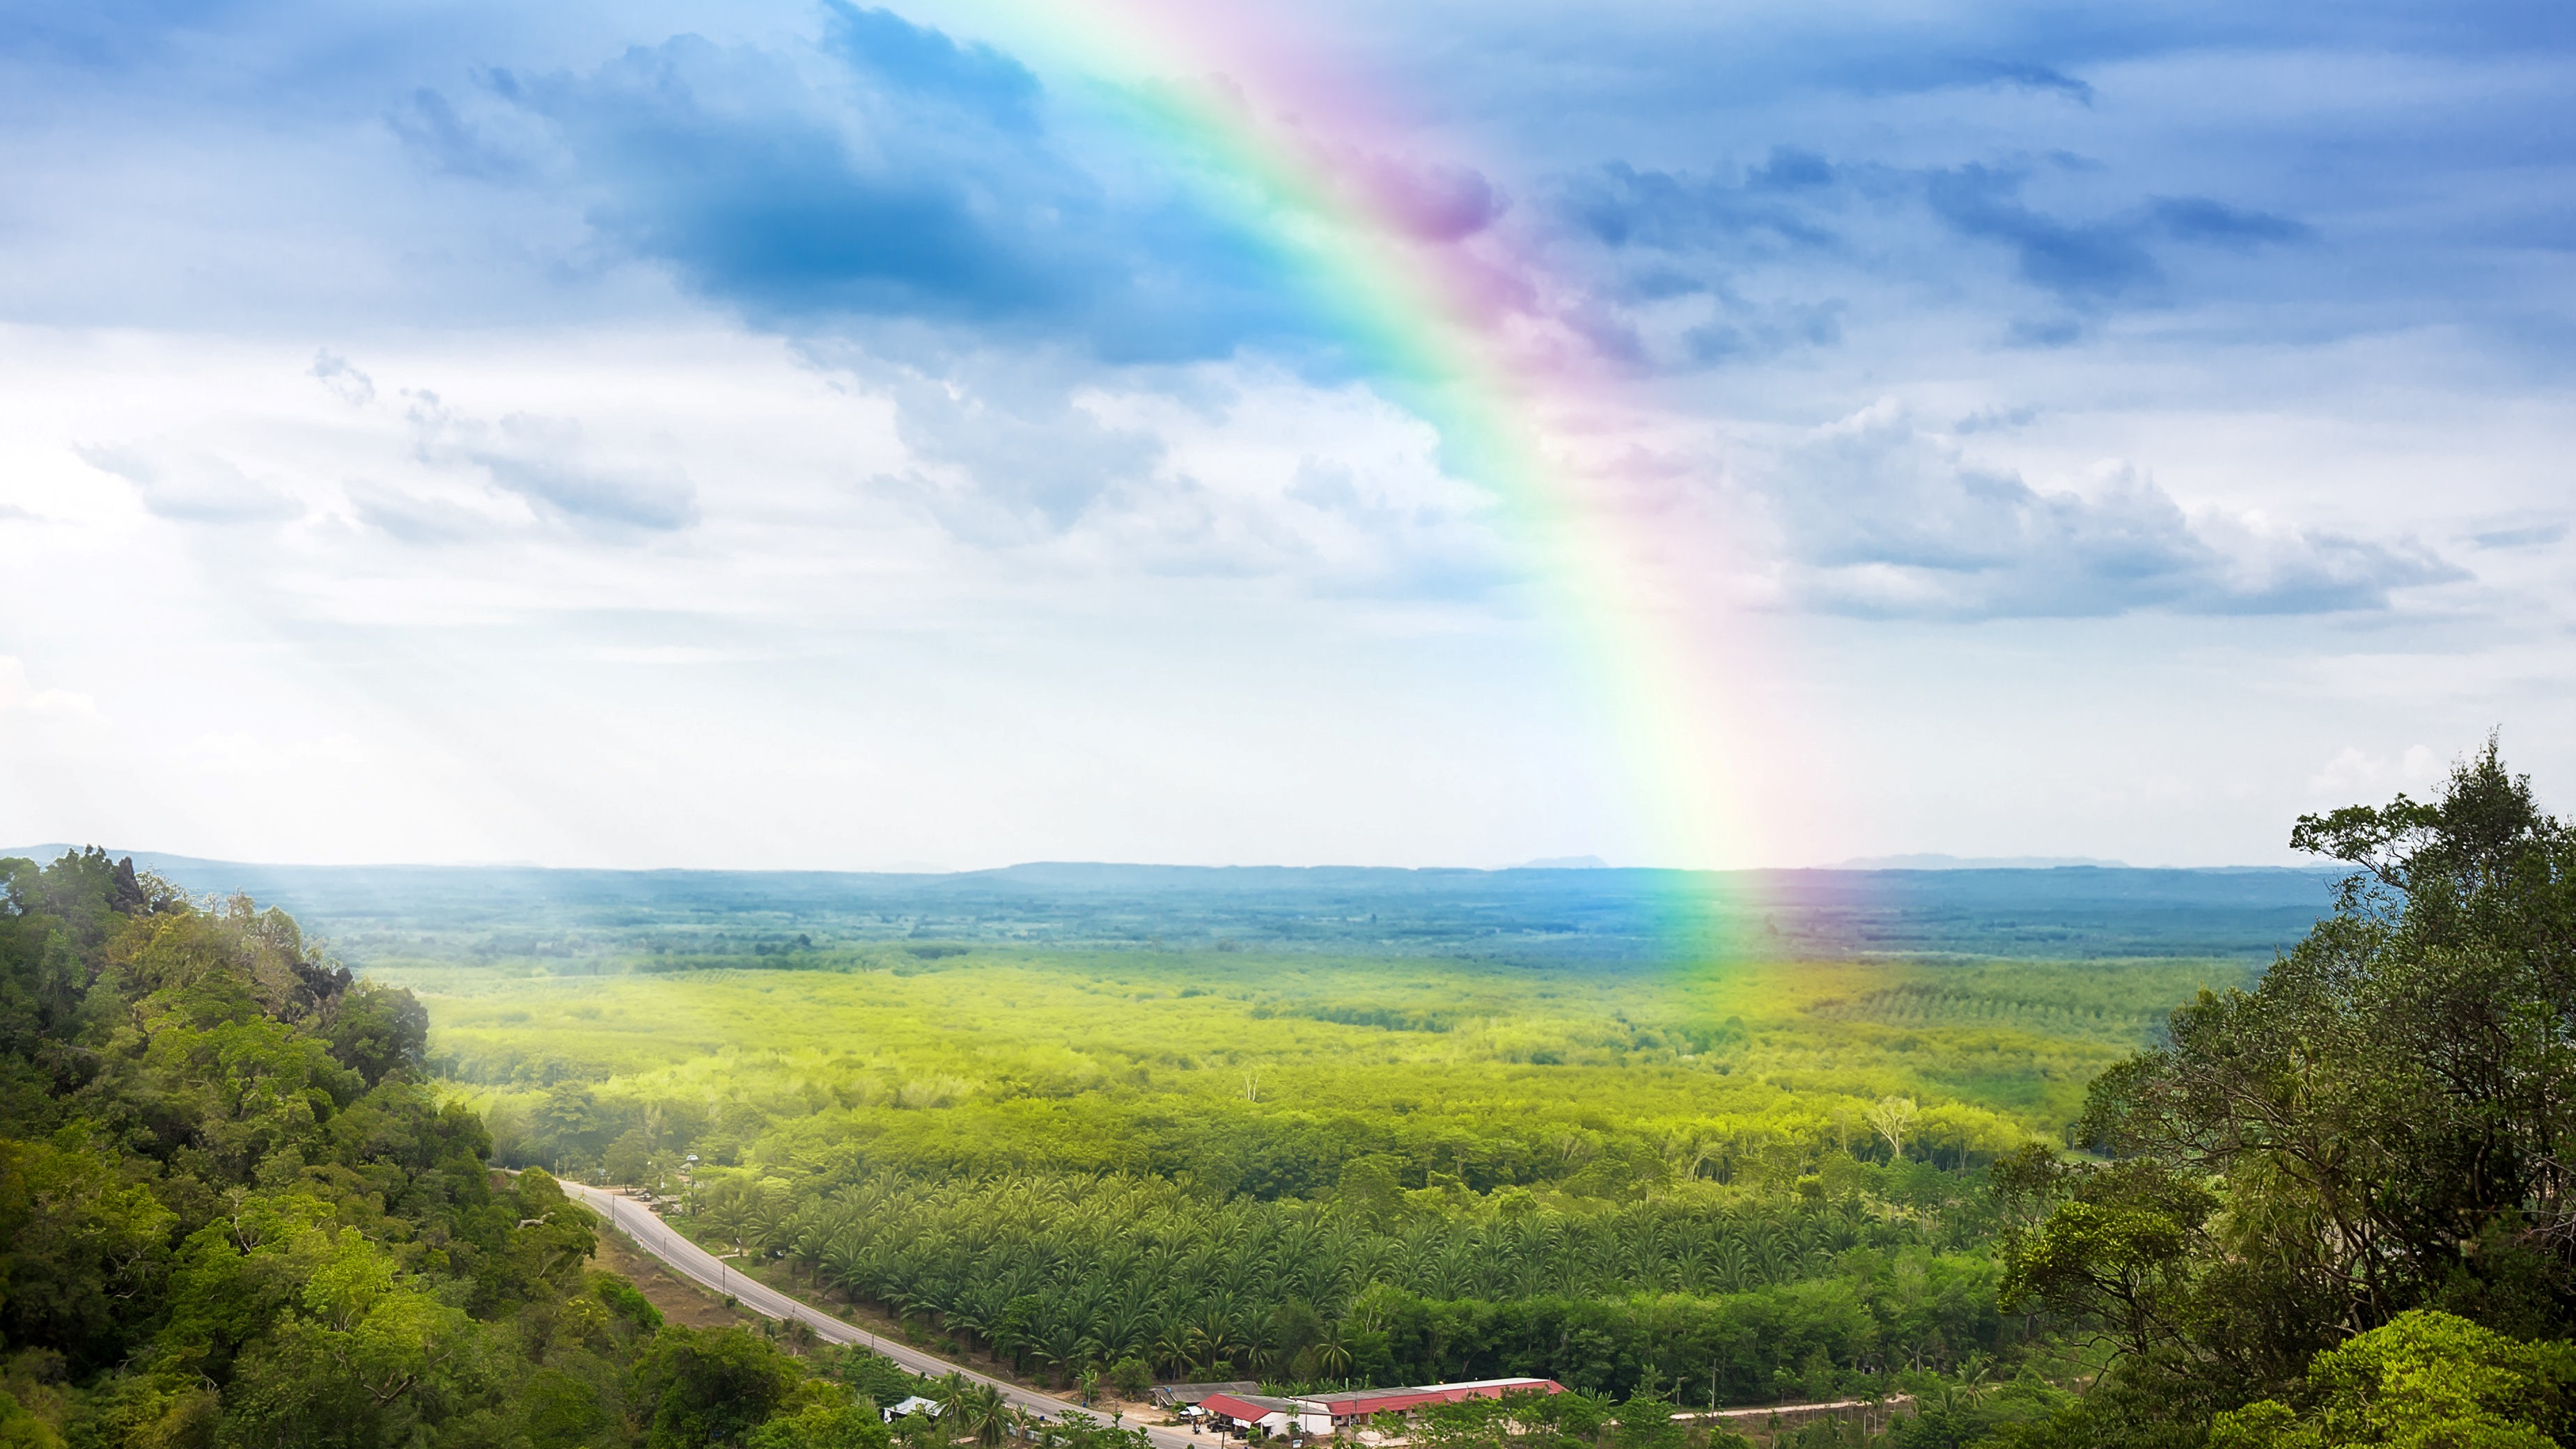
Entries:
{"x":1170,"y":1063}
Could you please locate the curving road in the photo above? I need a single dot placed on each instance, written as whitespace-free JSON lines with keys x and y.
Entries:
{"x":690,"y":1261}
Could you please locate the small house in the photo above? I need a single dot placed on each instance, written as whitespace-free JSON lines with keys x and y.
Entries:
{"x":1269,"y":1415}
{"x":914,"y":1405}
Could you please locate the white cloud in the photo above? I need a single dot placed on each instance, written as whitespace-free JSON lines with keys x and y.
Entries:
{"x":629,"y":590}
{"x":345,"y":382}
{"x":21,"y":699}
{"x":424,"y":520}
{"x":1230,"y":470}
{"x":548,"y":462}
{"x":1280,"y":638}
{"x":193,"y":487}
{"x":1878,"y":516}
{"x":2355,"y":775}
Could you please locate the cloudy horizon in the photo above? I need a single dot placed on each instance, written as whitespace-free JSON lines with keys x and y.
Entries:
{"x":831,"y":437}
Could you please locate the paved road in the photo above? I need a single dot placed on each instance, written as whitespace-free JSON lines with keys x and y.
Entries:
{"x":693,"y":1262}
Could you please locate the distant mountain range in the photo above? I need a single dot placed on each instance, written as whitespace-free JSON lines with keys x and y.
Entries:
{"x":1551,"y":910}
{"x":1977,"y":862}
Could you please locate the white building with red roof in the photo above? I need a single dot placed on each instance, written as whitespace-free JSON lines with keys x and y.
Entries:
{"x":1324,"y":1413}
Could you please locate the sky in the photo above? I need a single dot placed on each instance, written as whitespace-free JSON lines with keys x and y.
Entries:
{"x":788,"y":435}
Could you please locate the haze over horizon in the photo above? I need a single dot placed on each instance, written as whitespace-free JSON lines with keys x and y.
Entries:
{"x":147,"y":858}
{"x":823,"y":437}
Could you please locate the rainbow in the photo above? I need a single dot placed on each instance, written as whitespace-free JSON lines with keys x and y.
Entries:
{"x":1464,"y":331}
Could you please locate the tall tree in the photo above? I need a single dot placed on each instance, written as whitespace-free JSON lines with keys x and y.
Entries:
{"x":2379,"y":1126}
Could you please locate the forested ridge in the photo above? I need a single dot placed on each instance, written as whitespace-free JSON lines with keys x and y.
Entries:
{"x":234,"y":1213}
{"x":2336,"y":1208}
{"x":2326,"y":1207}
{"x":685,"y":920}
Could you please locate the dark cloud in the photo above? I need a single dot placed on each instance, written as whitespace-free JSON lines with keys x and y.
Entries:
{"x":430,"y":125}
{"x":2076,"y":260}
{"x":2089,"y":262}
{"x":2033,"y":77}
{"x":1428,"y":201}
{"x":2044,"y":332}
{"x":2534,"y":535}
{"x":2199,"y":219}
{"x":894,"y":177}
{"x":1882,"y":519}
{"x":1790,"y":169}
{"x":894,"y":173}
{"x":925,"y":65}
{"x":1655,"y":283}
{"x":1764,"y":336}
{"x":722,"y":164}
{"x":1620,"y":205}
{"x":1802,"y":208}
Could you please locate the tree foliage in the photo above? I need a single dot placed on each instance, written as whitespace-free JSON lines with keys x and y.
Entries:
{"x":1059,"y":1272}
{"x":2425,"y":1378}
{"x":2331,"y":1207}
{"x":2374,"y":1135}
{"x":234,"y":1213}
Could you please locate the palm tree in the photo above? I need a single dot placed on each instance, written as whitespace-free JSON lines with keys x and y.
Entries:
{"x":985,"y":1416}
{"x":725,"y":1216}
{"x":970,"y":1319}
{"x":1213,"y":1336}
{"x":1734,"y":1266}
{"x":1690,"y":1268}
{"x":1976,"y":1377}
{"x":1063,"y":1346}
{"x":843,"y":1260}
{"x":1121,"y":1328}
{"x":1646,"y":1254}
{"x":1172,"y":1347}
{"x":1452,"y":1274}
{"x":1332,"y":1353}
{"x":1775,"y":1258}
{"x":773,"y":1221}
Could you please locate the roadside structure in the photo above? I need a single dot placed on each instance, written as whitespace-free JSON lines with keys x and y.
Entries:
{"x":1331,"y":1413}
{"x":1176,"y":1396}
{"x":1349,"y":1408}
{"x":1267,"y":1414}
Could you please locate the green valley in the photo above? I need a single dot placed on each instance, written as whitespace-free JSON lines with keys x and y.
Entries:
{"x":2015,"y":1201}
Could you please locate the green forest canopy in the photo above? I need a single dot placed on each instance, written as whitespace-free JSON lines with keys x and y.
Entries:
{"x":2322,"y":1207}
{"x":234,"y":1212}
{"x":1538,"y":1169}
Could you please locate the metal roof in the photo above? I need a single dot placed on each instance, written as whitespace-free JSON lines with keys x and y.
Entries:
{"x":1386,"y":1401}
{"x":1193,"y":1393}
{"x":1251,"y":1407}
